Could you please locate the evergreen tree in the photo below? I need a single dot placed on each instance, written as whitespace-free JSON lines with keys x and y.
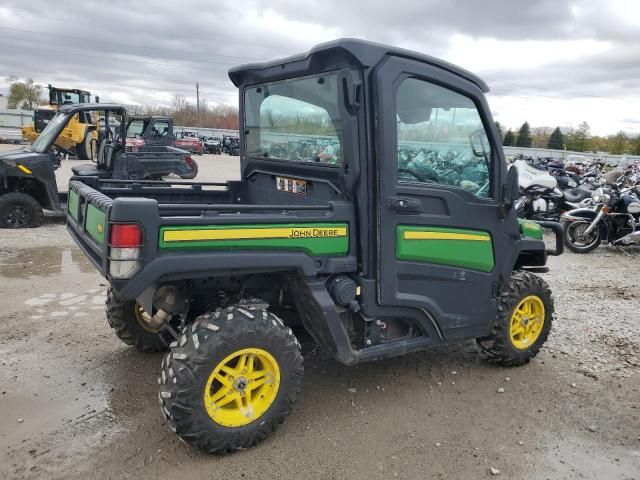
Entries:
{"x":499,"y":128}
{"x":582,"y":136}
{"x":509,"y":139}
{"x":524,"y":136}
{"x":556,"y":140}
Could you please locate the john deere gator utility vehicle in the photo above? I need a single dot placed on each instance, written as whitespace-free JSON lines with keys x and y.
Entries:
{"x":82,"y":129}
{"x":374,"y":210}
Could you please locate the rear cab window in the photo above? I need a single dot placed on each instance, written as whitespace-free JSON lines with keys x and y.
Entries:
{"x":295,"y":120}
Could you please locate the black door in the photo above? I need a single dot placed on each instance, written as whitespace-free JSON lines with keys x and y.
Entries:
{"x":440,"y":230}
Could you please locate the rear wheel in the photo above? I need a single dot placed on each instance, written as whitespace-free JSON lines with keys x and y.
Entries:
{"x":525,"y":315}
{"x":192,"y":173}
{"x":231,"y":379}
{"x":577,"y":240}
{"x":127,"y":320}
{"x":19,"y":210}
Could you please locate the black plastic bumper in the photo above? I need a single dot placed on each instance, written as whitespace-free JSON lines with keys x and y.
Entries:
{"x":556,"y":227}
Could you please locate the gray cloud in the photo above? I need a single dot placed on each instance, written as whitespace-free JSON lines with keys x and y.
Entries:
{"x":145,"y":51}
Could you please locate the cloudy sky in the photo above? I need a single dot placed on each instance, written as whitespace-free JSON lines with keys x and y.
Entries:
{"x":551,"y":62}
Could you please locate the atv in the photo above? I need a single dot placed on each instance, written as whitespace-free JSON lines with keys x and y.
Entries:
{"x":358,"y":218}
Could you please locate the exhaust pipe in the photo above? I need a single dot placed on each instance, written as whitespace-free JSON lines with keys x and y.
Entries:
{"x":165,"y":301}
{"x":633,"y":237}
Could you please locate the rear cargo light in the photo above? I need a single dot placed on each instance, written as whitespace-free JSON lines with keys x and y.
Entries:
{"x":125,"y":242}
{"x":125,"y":235}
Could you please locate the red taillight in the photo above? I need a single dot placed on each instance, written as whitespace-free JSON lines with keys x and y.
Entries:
{"x":189,"y":161}
{"x":125,"y":235}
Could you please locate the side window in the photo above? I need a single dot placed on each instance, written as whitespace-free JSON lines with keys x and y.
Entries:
{"x":441,"y":138}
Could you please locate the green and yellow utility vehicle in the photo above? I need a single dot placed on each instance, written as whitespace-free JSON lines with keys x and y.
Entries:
{"x":81,"y":130}
{"x":375,"y":211}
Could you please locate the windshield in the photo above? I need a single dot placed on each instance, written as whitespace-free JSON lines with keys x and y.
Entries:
{"x":296,"y":120}
{"x":50,"y":133}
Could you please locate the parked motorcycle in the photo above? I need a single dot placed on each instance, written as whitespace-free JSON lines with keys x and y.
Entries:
{"x":614,"y":217}
{"x":546,"y":196}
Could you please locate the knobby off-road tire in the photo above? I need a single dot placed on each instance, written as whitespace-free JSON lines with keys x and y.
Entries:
{"x":192,"y":173}
{"x":123,"y":318}
{"x":506,"y":345}
{"x":188,"y":378}
{"x":19,"y":210}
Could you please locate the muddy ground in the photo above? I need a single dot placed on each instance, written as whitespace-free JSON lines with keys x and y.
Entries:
{"x":77,"y":403}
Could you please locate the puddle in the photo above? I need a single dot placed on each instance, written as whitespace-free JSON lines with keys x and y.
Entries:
{"x":43,"y":262}
{"x":569,"y":456}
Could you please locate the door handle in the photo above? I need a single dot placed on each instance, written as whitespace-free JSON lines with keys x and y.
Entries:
{"x":403,"y":204}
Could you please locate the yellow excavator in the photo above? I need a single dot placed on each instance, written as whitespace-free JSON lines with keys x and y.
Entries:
{"x":77,"y":135}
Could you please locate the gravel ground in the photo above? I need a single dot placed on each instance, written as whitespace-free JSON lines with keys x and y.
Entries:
{"x":76,"y":402}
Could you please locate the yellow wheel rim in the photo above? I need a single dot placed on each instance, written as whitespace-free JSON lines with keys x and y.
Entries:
{"x":527,"y":321}
{"x":242,"y":387}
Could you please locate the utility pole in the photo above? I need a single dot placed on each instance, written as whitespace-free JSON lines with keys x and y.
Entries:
{"x":198,"y":105}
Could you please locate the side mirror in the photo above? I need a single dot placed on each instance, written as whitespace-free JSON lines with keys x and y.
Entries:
{"x":97,"y":99}
{"x":511,"y":188}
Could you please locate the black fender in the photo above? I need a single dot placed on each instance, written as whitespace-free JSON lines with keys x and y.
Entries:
{"x":586,"y":215}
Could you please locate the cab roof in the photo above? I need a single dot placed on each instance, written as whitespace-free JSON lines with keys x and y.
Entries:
{"x":338,"y":53}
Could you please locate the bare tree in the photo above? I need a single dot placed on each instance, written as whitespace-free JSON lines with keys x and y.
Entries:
{"x":26,"y":95}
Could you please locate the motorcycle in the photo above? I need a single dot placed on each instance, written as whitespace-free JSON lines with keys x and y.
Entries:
{"x":614,"y":217}
{"x":546,"y":196}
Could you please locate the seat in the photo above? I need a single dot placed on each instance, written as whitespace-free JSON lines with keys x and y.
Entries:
{"x":90,"y":170}
{"x":576,"y":195}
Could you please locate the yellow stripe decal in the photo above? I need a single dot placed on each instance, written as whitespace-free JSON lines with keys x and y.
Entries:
{"x":24,"y":169}
{"x":412,"y":235}
{"x":248,"y":233}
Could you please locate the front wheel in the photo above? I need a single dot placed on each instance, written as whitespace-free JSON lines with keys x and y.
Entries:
{"x":19,"y":210}
{"x":525,"y":314}
{"x":577,"y":240}
{"x":231,"y":378}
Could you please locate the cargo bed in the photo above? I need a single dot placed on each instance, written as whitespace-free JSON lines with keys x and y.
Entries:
{"x":193,"y":228}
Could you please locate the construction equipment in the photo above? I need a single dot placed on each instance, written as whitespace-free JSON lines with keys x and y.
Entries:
{"x":76,"y":138}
